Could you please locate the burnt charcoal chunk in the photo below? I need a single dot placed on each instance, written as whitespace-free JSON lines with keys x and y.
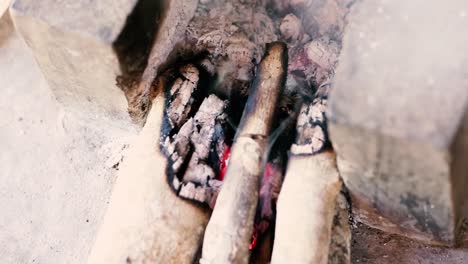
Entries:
{"x":196,"y":138}
{"x":179,"y":146}
{"x":211,"y":112}
{"x":311,"y":128}
{"x":181,"y":94}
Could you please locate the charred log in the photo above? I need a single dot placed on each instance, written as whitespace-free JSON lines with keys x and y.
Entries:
{"x":229,"y":231}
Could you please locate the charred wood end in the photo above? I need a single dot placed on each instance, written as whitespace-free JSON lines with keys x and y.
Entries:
{"x":268,"y":85}
{"x":229,"y":231}
{"x":312,"y":132}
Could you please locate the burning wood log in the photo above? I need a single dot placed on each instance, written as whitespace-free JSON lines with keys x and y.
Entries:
{"x":305,"y":210}
{"x":307,"y":204}
{"x":146,"y":221}
{"x":229,"y":231}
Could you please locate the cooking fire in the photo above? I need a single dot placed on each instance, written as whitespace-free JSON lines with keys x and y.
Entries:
{"x":244,"y":89}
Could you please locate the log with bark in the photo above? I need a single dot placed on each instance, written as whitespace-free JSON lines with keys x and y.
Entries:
{"x":229,"y":231}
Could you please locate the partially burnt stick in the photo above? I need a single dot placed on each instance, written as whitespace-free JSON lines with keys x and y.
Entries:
{"x":308,"y":209}
{"x":228,"y":234}
{"x":279,"y":144}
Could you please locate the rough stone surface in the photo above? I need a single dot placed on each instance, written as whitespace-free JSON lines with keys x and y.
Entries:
{"x":73,"y":44}
{"x":54,"y":184}
{"x":398,"y":115}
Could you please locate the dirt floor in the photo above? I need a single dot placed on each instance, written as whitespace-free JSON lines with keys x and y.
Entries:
{"x":56,"y":169}
{"x":371,"y":246}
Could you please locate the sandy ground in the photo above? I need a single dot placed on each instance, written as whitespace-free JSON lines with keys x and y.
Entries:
{"x":54,"y":182}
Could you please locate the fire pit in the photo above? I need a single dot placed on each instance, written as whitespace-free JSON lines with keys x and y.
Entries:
{"x":265,"y":60}
{"x":234,"y":162}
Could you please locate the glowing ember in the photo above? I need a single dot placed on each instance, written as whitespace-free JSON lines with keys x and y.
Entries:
{"x":224,"y":162}
{"x":253,"y":243}
{"x":269,"y":170}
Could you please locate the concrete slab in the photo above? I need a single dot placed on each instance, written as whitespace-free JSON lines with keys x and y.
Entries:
{"x":81,"y":48}
{"x":54,"y":184}
{"x":399,"y":116}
